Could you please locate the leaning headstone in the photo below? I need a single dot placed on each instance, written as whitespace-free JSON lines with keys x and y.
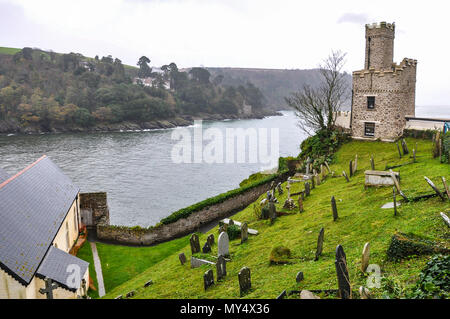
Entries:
{"x":346,"y":177}
{"x":397,"y":185}
{"x":334,"y":208}
{"x":195,"y":244}
{"x":372,"y":163}
{"x":206,"y":248}
{"x":446,"y":219}
{"x":299,"y":276}
{"x":300,"y":204}
{"x":272,"y":212}
{"x":208,"y":279}
{"x":394,"y":196}
{"x":307,"y":189}
{"x":182,"y":258}
{"x":435,"y":188}
{"x":399,"y":152}
{"x":320,"y":244}
{"x":282,"y":295}
{"x":447,"y":190}
{"x":195,"y":262}
{"x":245,"y":282}
{"x":223,"y":244}
{"x":210,"y":240}
{"x":221,"y":267}
{"x":328,"y":167}
{"x":148,"y":284}
{"x":244,"y":232}
{"x":365,"y":257}
{"x":340,"y":263}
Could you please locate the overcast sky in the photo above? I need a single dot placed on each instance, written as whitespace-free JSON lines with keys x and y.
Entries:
{"x":287,"y":34}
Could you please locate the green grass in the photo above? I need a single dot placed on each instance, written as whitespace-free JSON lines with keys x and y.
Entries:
{"x":360,"y":220}
{"x":9,"y":51}
{"x":121,"y":263}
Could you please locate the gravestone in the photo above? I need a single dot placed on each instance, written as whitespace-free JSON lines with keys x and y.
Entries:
{"x":272,"y":212}
{"x":313,"y":182}
{"x":355,"y":164}
{"x":318,"y":180}
{"x":245,"y":282}
{"x":195,"y":244}
{"x":195,"y":262}
{"x":447,"y":190}
{"x":394,"y":196}
{"x":342,"y":274}
{"x":372,"y":163}
{"x":206,"y":248}
{"x":446,"y":219}
{"x":148,"y":284}
{"x":405,"y":147}
{"x":208,"y":279}
{"x":130,"y":294}
{"x":328,"y":167}
{"x":307,"y":189}
{"x":221,"y":267}
{"x":334,"y":208}
{"x":300,"y":204}
{"x":345,"y":175}
{"x":399,"y":152}
{"x":282,"y":295}
{"x":223,"y":244}
{"x":280,"y":189}
{"x":414,"y":155}
{"x":320,"y":244}
{"x":364,"y":293}
{"x":182,"y":258}
{"x":365,"y":257}
{"x":231,"y":222}
{"x":299,"y":276}
{"x":350,"y":168}
{"x":308,"y":161}
{"x":435,"y":188}
{"x":306,"y":294}
{"x":210,"y":240}
{"x":244,"y":233}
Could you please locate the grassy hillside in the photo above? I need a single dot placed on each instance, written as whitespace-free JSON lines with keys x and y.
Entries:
{"x":361,"y":220}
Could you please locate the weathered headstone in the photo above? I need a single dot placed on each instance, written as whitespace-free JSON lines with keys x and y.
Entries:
{"x":364,"y":293}
{"x":195,"y":262}
{"x":399,"y":152}
{"x":206,"y":248}
{"x":245,"y":282}
{"x":318,"y":180}
{"x":355,"y":164}
{"x":447,"y":190}
{"x":244,"y":232}
{"x":414,"y":155}
{"x":210,"y":240}
{"x":313,"y":182}
{"x":435,"y":188}
{"x":334,"y":208}
{"x":182,"y":258}
{"x":328,"y":167}
{"x":280,"y":189}
{"x":195,"y":244}
{"x":306,"y":294}
{"x":208,"y":279}
{"x":308,"y":161}
{"x":300,"y":204}
{"x":320,"y":244}
{"x":221,"y":267}
{"x":350,"y":168}
{"x":405,"y":147}
{"x":148,"y":284}
{"x":282,"y":295}
{"x":446,"y":219}
{"x":346,"y":177}
{"x":223,"y":244}
{"x":272,"y":212}
{"x":299,"y":276}
{"x":307,"y":189}
{"x":231,"y":222}
{"x":130,"y":294}
{"x":395,"y":201}
{"x":340,"y":263}
{"x":372,"y":163}
{"x":397,"y":185}
{"x":365,"y":257}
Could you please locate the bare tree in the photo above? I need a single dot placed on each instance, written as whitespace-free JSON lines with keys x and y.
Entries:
{"x":317,"y":107}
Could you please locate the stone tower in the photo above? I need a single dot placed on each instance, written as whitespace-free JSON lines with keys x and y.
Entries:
{"x":384,"y":92}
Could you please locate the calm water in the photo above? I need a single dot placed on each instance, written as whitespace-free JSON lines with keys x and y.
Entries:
{"x":136,"y":169}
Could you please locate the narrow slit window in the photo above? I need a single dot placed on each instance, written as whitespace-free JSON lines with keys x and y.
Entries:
{"x":369,"y":129}
{"x":371,"y":102}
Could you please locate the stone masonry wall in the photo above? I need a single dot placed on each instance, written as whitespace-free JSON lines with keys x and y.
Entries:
{"x":97,"y":203}
{"x":185,"y":226}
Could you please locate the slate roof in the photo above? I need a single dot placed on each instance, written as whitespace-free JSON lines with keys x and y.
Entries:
{"x":61,"y":267}
{"x":3,"y":175}
{"x":33,"y":206}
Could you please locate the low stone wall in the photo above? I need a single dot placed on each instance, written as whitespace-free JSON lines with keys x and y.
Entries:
{"x":97,"y":205}
{"x":185,"y":226}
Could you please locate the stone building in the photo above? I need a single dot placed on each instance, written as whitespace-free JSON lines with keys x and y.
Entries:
{"x":383,"y":92}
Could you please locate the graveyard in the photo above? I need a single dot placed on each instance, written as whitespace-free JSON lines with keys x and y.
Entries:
{"x":354,"y":218}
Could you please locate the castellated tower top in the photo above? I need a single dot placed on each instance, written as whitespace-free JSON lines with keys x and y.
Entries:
{"x":380,"y":46}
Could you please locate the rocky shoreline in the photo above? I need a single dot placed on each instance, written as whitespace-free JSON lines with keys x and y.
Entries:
{"x":13,"y":127}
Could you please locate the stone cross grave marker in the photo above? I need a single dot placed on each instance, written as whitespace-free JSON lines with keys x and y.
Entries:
{"x":345,"y":291}
{"x":208,"y":279}
{"x":221,"y":267}
{"x":49,"y":287}
{"x":195,"y":244}
{"x":334,"y":208}
{"x":244,"y":233}
{"x":182,"y":258}
{"x":307,"y":189}
{"x":320,"y":244}
{"x":206,"y":248}
{"x":345,"y":175}
{"x":365,"y":257}
{"x":435,"y":188}
{"x":223,"y":244}
{"x":210,"y":240}
{"x":245,"y":282}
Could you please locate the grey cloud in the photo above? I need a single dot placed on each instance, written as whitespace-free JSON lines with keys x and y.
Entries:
{"x":357,"y":18}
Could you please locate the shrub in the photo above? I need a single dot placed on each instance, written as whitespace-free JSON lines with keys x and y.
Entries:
{"x":434,"y":281}
{"x":406,"y":245}
{"x":280,"y":255}
{"x":446,"y":148}
{"x":233,"y":232}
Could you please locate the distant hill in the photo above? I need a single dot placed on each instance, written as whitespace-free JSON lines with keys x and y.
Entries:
{"x":275,"y":84}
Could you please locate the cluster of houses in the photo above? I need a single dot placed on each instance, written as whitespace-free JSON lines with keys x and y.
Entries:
{"x":39,"y":225}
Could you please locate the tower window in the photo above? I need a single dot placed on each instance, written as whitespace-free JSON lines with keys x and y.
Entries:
{"x":369,"y":129}
{"x":371,"y":102}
